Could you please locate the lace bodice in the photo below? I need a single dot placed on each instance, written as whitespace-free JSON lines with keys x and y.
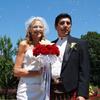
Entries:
{"x":30,"y":63}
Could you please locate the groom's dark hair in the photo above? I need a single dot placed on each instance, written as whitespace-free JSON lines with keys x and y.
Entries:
{"x":62,"y":15}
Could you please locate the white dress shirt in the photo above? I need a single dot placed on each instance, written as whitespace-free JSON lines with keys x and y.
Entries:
{"x":56,"y":67}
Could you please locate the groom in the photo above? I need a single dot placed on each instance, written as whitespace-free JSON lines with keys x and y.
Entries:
{"x":70,"y":77}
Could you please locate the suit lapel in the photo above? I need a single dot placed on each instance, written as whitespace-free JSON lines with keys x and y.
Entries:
{"x":67,"y":53}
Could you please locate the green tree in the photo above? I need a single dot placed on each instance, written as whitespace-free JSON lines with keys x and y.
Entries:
{"x":93,"y":39}
{"x":7,"y":80}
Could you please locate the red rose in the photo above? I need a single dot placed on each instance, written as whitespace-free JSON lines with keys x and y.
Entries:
{"x":46,"y":49}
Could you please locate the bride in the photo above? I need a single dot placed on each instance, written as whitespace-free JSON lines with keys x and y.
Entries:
{"x":32,"y":84}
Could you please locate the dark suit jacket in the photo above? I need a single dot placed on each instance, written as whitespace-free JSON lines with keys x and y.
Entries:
{"x":75,"y":67}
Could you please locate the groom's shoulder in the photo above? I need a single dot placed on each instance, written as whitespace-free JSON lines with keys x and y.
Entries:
{"x":78,"y":39}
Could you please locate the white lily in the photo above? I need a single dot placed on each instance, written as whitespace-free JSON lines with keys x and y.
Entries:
{"x":46,"y":42}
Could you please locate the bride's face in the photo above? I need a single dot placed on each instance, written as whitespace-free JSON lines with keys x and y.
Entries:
{"x":37,"y":29}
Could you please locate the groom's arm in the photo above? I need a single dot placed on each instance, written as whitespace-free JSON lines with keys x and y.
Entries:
{"x":83,"y":88}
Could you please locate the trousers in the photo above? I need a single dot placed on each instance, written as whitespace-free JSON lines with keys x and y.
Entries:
{"x":58,"y":92}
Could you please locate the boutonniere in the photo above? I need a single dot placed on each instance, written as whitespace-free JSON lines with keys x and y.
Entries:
{"x":73,"y":45}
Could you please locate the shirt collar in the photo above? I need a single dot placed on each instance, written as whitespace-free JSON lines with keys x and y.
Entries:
{"x":62,"y":38}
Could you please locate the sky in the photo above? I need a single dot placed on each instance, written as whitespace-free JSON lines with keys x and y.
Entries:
{"x":14,"y":13}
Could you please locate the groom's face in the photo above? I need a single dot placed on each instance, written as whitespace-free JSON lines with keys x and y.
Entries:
{"x":63,"y":27}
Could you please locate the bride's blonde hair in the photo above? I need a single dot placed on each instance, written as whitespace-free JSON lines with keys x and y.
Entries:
{"x":28,"y":25}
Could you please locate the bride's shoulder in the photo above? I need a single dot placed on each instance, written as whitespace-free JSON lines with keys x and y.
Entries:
{"x":23,"y":45}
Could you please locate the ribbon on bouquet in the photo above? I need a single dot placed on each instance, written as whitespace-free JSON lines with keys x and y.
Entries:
{"x":45,"y":81}
{"x":44,"y":62}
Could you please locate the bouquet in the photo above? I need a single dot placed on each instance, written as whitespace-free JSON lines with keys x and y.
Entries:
{"x":46,"y":53}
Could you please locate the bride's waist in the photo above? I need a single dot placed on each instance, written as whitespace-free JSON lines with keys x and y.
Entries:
{"x":30,"y":80}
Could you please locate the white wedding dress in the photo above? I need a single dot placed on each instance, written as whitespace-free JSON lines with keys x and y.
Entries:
{"x":34,"y":88}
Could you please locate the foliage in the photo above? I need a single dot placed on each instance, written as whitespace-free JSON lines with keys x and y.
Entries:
{"x":7,"y":80}
{"x":93,"y":39}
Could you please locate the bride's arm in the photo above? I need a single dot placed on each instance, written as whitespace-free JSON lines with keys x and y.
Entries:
{"x":18,"y":70}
